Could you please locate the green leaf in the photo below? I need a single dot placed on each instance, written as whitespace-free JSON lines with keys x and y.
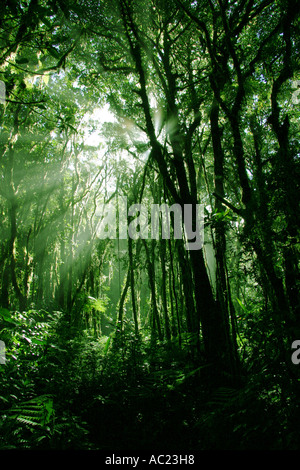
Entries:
{"x":40,"y":342}
{"x":7,"y":316}
{"x":241,"y":305}
{"x":107,"y":344}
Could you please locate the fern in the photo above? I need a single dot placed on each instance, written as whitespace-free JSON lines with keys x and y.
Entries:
{"x":224,"y":396}
{"x":35,"y":412}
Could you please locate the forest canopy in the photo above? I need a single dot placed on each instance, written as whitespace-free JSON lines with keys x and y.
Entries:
{"x":149,"y":238}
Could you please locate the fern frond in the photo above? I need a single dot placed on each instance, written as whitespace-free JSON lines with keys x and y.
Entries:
{"x":35,"y":412}
{"x":224,"y":396}
{"x":26,"y":420}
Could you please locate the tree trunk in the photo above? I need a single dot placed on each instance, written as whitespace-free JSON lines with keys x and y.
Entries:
{"x":132,"y":287}
{"x":162,"y":252}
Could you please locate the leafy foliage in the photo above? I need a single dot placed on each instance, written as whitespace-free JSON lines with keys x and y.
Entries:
{"x":126,"y":343}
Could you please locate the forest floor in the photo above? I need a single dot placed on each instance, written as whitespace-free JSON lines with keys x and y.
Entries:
{"x":75,"y":395}
{"x":181,"y":406}
{"x":187,"y":417}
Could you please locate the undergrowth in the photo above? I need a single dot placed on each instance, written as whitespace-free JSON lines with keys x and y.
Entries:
{"x":72,"y":390}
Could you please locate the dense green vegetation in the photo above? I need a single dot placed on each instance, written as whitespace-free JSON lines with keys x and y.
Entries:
{"x":115,"y":343}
